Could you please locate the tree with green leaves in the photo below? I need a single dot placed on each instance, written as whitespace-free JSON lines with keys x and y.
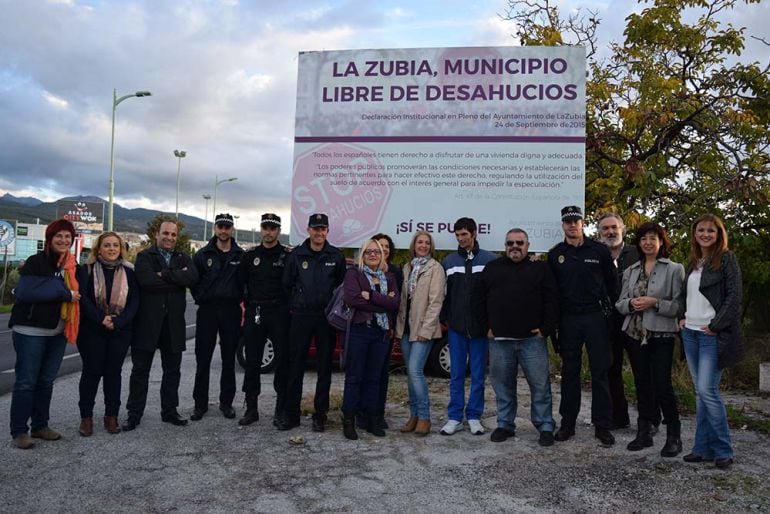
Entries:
{"x":676,"y":125}
{"x":183,"y":238}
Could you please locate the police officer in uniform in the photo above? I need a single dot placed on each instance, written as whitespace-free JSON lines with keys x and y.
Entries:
{"x":267,"y":316}
{"x":312,"y":272}
{"x":218,"y":296}
{"x":587,"y":280}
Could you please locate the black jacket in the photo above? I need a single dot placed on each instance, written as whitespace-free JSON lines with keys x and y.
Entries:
{"x":723,"y":288}
{"x":585,"y":275}
{"x":310,"y":277}
{"x":40,"y":293}
{"x":92,"y":315}
{"x":162,"y":297}
{"x":513,"y":298}
{"x":217,"y":274}
{"x":260,"y":275}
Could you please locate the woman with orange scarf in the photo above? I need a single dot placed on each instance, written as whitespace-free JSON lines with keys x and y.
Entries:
{"x":44,"y":318}
{"x":110,"y":301}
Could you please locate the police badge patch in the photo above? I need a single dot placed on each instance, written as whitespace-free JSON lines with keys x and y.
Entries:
{"x":304,"y":265}
{"x":561,"y":259}
{"x":209,"y":262}
{"x":256,"y":261}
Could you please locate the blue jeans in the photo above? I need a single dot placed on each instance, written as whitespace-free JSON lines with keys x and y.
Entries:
{"x":504,"y":360}
{"x":712,"y":434}
{"x":37,"y":363}
{"x":462,"y":350}
{"x":416,"y":355}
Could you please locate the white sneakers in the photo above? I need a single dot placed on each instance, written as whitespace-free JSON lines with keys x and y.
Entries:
{"x":451,"y":427}
{"x":475,"y":426}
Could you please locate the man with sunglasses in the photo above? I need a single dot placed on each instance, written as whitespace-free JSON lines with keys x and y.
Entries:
{"x":515,"y":300}
{"x":218,"y":296}
{"x":587,"y":280}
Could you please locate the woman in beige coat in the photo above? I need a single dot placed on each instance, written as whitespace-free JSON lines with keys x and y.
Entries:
{"x":418,"y":324}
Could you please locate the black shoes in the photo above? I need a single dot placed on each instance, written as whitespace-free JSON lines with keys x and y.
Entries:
{"x":546,"y":438}
{"x":500,"y":434}
{"x":723,"y":463}
{"x":673,"y":446}
{"x":374,"y":426}
{"x":565,"y":432}
{"x":250,"y":416}
{"x":694,"y":458}
{"x":319,"y":422}
{"x":284,"y":423}
{"x":174,"y":418}
{"x":604,"y":436}
{"x":197,"y":414}
{"x":349,"y":425}
{"x":131,"y":423}
{"x":227,"y":411}
{"x":643,"y":438}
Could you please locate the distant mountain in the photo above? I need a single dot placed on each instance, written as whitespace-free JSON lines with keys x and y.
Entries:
{"x":31,"y":210}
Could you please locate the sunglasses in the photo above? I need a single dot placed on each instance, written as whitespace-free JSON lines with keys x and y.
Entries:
{"x":517,"y":242}
{"x":371,"y":252}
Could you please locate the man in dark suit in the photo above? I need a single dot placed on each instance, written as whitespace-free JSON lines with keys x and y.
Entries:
{"x":164,"y":274}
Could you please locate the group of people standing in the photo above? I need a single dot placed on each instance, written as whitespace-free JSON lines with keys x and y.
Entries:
{"x":607,"y":296}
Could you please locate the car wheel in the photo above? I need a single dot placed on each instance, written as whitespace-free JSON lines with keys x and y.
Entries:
{"x":440,"y":362}
{"x":268,"y":355}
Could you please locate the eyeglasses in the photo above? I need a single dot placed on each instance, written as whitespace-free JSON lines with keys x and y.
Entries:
{"x":372,"y":252}
{"x":517,"y":242}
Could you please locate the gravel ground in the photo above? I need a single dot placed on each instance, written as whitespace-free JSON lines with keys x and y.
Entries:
{"x":216,"y":466}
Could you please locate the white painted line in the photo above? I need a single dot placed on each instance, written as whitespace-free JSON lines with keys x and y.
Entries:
{"x":65,"y":357}
{"x":188,"y":326}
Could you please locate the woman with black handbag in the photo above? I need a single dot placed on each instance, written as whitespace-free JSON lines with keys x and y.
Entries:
{"x":373,"y":294}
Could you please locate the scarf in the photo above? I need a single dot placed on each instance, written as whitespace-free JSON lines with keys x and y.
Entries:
{"x":70,"y":311}
{"x":417,"y":264}
{"x":381,"y":317}
{"x":119,"y":293}
{"x":166,"y":254}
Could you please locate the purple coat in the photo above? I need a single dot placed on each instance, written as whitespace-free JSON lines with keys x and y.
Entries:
{"x":355,"y":282}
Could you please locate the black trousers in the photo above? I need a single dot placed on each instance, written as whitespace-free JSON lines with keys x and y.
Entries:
{"x":273,"y":325}
{"x":592,"y":330}
{"x":103,"y":354}
{"x":652,"y":375}
{"x":305,"y":327}
{"x":212,"y":319}
{"x":618,"y":341}
{"x":140,"y":376}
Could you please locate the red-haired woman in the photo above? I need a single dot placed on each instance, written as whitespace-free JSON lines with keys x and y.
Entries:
{"x":44,"y":318}
{"x":110,"y":301}
{"x":711,"y":334}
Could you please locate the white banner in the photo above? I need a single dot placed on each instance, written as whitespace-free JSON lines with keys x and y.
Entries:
{"x":400,"y":140}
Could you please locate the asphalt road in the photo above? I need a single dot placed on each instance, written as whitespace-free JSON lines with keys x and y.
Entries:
{"x":71,"y":362}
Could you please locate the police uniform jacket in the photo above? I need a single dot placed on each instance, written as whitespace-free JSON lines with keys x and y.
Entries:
{"x":586,"y":276}
{"x":513,"y":298}
{"x":260,"y":275}
{"x":310,"y":277}
{"x":217,"y":274}
{"x":162,"y":297}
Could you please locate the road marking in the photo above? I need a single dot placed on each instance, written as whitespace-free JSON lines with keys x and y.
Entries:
{"x":65,"y":357}
{"x":188,"y":326}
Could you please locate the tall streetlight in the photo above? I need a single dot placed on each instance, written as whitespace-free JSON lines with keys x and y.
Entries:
{"x":206,"y":197}
{"x":111,"y":187}
{"x":179,"y":154}
{"x":216,"y":185}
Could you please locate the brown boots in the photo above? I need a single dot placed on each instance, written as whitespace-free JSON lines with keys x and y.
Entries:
{"x":410,"y":425}
{"x":86,"y":427}
{"x":111,"y":424}
{"x":423,"y":427}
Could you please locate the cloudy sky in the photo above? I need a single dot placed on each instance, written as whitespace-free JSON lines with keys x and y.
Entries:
{"x":223,"y":79}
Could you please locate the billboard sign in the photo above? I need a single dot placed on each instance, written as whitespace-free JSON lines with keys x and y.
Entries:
{"x":88,"y":217}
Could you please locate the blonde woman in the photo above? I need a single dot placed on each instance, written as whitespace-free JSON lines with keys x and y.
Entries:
{"x":109,"y":304}
{"x":418,"y":324}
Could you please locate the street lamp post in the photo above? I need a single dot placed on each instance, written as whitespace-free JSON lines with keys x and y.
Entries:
{"x":179,"y":154}
{"x":206,"y":197}
{"x":111,"y":186}
{"x":216,"y":185}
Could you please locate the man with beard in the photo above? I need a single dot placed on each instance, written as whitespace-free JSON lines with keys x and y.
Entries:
{"x":612,"y":230}
{"x":312,"y":272}
{"x":218,"y":295}
{"x":164,"y":274}
{"x":267,"y":316}
{"x":587,"y":280}
{"x":515,"y":284}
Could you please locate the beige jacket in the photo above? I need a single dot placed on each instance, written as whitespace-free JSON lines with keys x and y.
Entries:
{"x":426,"y":302}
